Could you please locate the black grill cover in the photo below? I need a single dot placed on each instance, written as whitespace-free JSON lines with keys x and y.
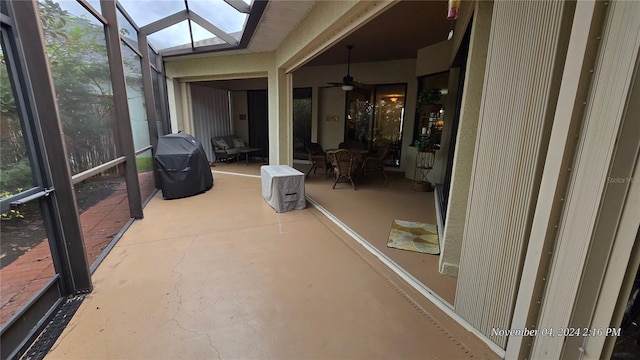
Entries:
{"x":183,"y":168}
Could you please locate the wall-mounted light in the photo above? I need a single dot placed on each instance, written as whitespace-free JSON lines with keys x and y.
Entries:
{"x":346,"y":87}
{"x":393,"y":99}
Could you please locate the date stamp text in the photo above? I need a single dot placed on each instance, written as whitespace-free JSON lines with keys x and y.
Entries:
{"x":557,"y":332}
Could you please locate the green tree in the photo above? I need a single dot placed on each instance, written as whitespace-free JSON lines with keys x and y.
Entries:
{"x":80,"y":69}
{"x":15,"y":173}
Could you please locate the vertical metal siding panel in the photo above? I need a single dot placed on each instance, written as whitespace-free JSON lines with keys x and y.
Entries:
{"x":211,"y":116}
{"x":520,"y":63}
{"x":605,"y":108}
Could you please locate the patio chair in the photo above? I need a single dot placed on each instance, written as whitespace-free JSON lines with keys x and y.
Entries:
{"x":352,"y":144}
{"x":375,"y":162}
{"x":346,"y":165}
{"x":318,"y":159}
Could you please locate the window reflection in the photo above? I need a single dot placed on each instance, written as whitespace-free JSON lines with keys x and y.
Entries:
{"x":389,"y":119}
{"x":144,"y":162}
{"x":177,"y":35}
{"x":26,"y":263}
{"x":135,"y":98}
{"x":220,"y":14}
{"x":75,"y":44}
{"x":104,"y":209}
{"x":158,"y":101}
{"x":15,"y":168}
{"x":127,"y":30}
{"x":301,"y":122}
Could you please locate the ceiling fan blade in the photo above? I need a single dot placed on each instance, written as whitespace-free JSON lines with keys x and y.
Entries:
{"x":347,"y":80}
{"x":362,"y":85}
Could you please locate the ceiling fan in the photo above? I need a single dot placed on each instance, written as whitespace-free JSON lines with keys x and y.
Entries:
{"x":347,"y":83}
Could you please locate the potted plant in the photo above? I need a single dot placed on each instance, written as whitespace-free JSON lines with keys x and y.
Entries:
{"x":423,"y":143}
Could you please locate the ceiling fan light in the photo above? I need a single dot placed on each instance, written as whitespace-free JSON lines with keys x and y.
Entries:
{"x":346,"y":87}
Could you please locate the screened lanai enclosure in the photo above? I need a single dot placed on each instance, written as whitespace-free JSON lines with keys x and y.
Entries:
{"x":83,"y":101}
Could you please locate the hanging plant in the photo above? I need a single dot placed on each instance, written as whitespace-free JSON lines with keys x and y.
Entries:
{"x":429,"y":96}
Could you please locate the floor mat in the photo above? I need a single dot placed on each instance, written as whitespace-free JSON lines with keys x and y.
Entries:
{"x":414,"y":236}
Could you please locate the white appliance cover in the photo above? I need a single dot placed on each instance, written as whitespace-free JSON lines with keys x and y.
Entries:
{"x":283,"y":187}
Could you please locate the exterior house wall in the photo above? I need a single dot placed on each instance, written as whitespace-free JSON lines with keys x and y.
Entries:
{"x":451,"y":241}
{"x":433,"y":59}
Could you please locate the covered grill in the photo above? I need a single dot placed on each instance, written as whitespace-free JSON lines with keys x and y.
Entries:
{"x":182,"y":165}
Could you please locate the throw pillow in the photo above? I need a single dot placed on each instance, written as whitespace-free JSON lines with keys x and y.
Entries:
{"x":238,"y":143}
{"x":222,"y":144}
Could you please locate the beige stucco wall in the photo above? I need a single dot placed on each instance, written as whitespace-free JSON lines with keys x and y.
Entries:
{"x":434,"y":59}
{"x":330,"y":103}
{"x":466,"y":141}
{"x":180,"y":72}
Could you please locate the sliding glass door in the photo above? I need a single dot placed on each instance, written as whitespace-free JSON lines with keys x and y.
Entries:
{"x":375,"y":116}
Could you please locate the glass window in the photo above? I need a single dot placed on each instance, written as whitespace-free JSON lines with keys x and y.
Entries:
{"x":26,"y":264}
{"x":144,"y":163}
{"x":301,"y":122}
{"x":144,"y":12}
{"x":153,"y":57}
{"x":135,"y":98}
{"x":126,"y":29}
{"x":220,"y":14}
{"x":73,"y":10}
{"x":75,"y":44}
{"x":173,"y":36}
{"x":158,"y":101}
{"x":202,"y":37}
{"x":104,"y":209}
{"x":389,"y":118}
{"x":15,"y":167}
{"x":359,"y":120}
{"x":96,"y":5}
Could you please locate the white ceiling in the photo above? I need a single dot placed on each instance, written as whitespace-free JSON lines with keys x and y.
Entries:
{"x":280,"y":18}
{"x":395,"y":34}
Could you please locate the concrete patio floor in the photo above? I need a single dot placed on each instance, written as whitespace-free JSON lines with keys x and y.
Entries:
{"x":221,"y":275}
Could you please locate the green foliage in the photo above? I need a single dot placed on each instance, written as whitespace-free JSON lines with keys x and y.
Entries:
{"x":78,"y":60}
{"x":11,"y":214}
{"x":16,"y":177}
{"x":301,"y":123}
{"x":144,"y":164}
{"x":429,"y":96}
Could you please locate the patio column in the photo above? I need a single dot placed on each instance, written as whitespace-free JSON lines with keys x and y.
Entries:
{"x":280,"y":118}
{"x":466,"y":140}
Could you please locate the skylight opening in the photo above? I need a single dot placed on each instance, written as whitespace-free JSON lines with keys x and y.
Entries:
{"x":220,"y":14}
{"x":173,"y":36}
{"x":144,"y":12}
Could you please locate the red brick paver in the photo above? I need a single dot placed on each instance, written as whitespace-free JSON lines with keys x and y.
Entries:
{"x":23,"y":278}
